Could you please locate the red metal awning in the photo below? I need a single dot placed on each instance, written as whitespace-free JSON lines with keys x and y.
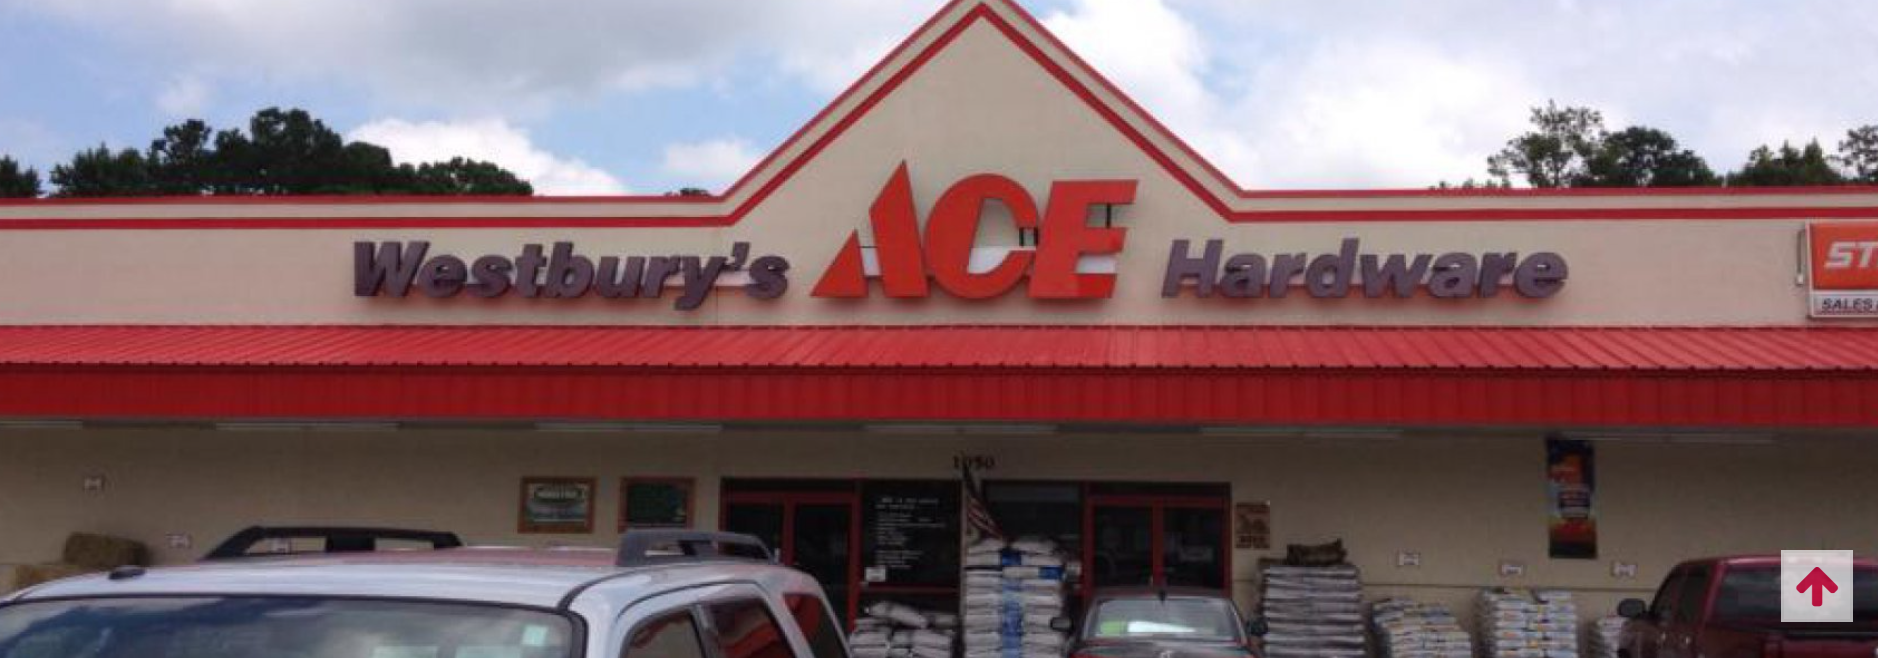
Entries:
{"x":1689,"y":377}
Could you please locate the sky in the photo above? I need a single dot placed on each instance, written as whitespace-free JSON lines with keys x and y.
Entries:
{"x":647,"y":96}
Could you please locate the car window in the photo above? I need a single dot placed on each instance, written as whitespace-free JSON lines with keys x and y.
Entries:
{"x":817,"y":624}
{"x":1693,"y":595}
{"x":674,"y":635}
{"x":1189,"y":618}
{"x":1665,"y":601}
{"x":744,"y":629}
{"x":1752,"y":595}
{"x":228,"y":627}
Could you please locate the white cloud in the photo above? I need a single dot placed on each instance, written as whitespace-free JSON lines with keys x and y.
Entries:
{"x":1340,"y":113}
{"x":497,"y":56}
{"x":184,"y":96}
{"x":712,"y":163}
{"x":1346,"y":93}
{"x":492,"y":140}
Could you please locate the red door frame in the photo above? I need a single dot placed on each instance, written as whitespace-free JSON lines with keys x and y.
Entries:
{"x":788,"y":501}
{"x":1158,"y":506}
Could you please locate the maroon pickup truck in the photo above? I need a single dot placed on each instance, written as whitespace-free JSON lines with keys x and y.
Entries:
{"x":1730,"y":608}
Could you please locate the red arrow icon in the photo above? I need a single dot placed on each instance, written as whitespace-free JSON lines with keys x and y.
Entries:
{"x":1820,"y":583}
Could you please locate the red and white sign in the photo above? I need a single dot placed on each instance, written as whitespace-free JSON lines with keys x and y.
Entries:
{"x":1816,"y":586}
{"x":1843,"y":269}
{"x":905,"y":261}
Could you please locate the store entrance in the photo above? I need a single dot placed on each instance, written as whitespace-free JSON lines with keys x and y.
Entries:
{"x":813,"y":531}
{"x":1157,"y":539}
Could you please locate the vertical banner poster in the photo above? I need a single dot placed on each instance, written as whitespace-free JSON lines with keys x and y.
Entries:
{"x":1571,"y":481}
{"x":1252,"y":525}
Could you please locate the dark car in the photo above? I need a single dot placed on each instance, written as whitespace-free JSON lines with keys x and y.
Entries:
{"x":1730,"y":608}
{"x":1162,"y":623}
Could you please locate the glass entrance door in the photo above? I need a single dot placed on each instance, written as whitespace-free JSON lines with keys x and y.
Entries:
{"x":813,"y":532}
{"x":1157,"y":540}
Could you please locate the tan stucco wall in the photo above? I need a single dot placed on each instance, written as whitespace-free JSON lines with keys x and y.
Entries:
{"x":1463,"y":503}
{"x":980,"y":106}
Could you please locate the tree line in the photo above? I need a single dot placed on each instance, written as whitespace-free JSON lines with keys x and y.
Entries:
{"x":1570,"y":147}
{"x":281,"y":152}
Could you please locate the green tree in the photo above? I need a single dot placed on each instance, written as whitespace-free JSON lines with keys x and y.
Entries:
{"x":1859,"y":153}
{"x":460,"y":176}
{"x":1554,"y":153}
{"x":17,"y":182}
{"x":286,"y":152}
{"x":100,"y":172}
{"x":282,"y":152}
{"x":1643,"y":157}
{"x":1787,"y":167}
{"x":183,"y":161}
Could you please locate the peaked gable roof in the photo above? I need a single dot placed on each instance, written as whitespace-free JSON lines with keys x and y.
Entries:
{"x":1177,"y":158}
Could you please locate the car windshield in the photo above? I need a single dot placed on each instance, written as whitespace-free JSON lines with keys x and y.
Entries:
{"x":223,"y":627}
{"x":1182,"y":618}
{"x":1751,"y":595}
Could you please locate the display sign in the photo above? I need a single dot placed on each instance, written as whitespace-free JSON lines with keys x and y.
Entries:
{"x":1075,"y":255}
{"x":1842,"y":269}
{"x":1252,"y":525}
{"x":557,"y":505}
{"x":394,"y":269}
{"x":654,"y":503}
{"x":1571,"y":481}
{"x":910,"y":533}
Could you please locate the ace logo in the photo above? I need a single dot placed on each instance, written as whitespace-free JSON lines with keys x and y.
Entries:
{"x":909,"y":262}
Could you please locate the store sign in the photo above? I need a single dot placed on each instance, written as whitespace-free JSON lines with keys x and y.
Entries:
{"x":1843,"y":258}
{"x":907,"y":260}
{"x":1208,"y":271}
{"x":1073,"y":259}
{"x":394,"y":269}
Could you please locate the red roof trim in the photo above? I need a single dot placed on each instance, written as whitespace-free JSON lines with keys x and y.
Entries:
{"x":1162,"y":348}
{"x":981,"y":11}
{"x":1179,"y":397}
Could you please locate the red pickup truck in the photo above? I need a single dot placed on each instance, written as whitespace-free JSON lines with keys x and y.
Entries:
{"x":1730,"y":608}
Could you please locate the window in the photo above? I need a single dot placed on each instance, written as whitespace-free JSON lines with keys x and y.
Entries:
{"x":1185,"y":618}
{"x":231,"y":627}
{"x":745,"y":629}
{"x":1751,"y":595}
{"x":1665,"y":600}
{"x":817,"y":624}
{"x":674,"y":635}
{"x":1694,"y":593}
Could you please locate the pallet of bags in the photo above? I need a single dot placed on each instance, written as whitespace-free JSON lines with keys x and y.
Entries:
{"x":1604,"y":636}
{"x":1012,"y":591}
{"x":1312,"y":611}
{"x":895,"y":630}
{"x":1404,"y":628}
{"x":1522,"y":624}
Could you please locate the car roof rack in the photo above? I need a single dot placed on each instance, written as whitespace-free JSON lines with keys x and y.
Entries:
{"x":651,"y":547}
{"x":337,"y":539}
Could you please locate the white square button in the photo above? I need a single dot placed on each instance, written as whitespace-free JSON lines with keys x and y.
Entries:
{"x":1815,"y":586}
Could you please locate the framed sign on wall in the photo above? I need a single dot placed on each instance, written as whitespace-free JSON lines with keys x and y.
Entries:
{"x":557,"y":505}
{"x":646,"y":502}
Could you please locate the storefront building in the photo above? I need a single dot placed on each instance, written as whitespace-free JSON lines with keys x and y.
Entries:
{"x":981,"y":253}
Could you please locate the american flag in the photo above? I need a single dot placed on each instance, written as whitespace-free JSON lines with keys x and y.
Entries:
{"x":977,"y":515}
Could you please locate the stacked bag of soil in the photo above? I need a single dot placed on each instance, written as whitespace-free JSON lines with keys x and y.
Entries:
{"x":1522,"y":624}
{"x":1604,"y":636}
{"x":1313,"y":604}
{"x":1012,"y":591}
{"x":1408,"y":629}
{"x":893,"y":630}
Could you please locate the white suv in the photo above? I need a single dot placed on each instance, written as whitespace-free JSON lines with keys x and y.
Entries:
{"x":662,"y":595}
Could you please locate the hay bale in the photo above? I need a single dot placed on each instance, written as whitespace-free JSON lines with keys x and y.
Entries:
{"x":28,"y":575}
{"x":101,"y":553}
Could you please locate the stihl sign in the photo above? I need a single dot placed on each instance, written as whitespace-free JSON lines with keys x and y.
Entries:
{"x":1844,"y":272}
{"x":907,"y":261}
